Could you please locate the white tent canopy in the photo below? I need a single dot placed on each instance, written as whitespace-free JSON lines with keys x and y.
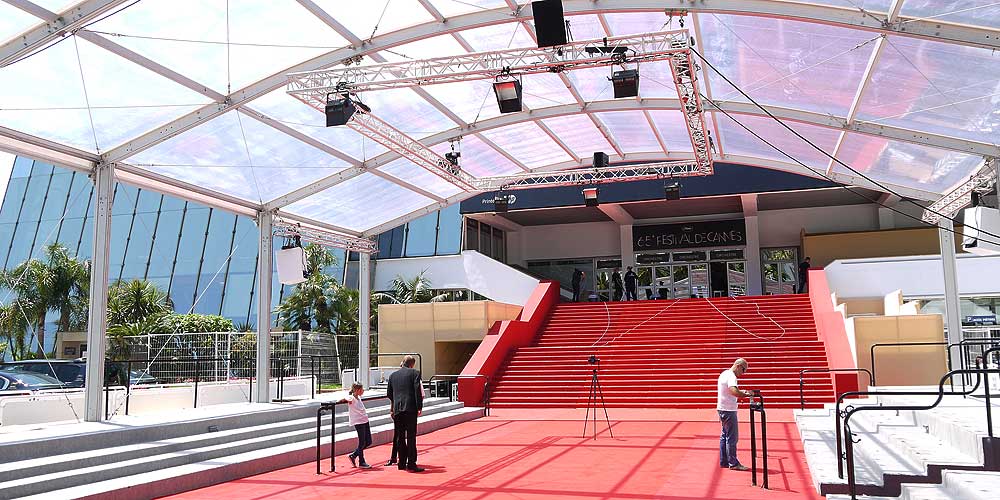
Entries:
{"x":188,"y":97}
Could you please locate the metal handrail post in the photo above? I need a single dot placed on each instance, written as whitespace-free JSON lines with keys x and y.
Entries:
{"x":128,"y":388}
{"x":312,"y":372}
{"x":319,"y":421}
{"x":197,"y":377}
{"x":802,"y":397}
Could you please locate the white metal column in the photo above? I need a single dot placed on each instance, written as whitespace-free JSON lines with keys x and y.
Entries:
{"x":262,"y":393}
{"x":97,"y":322}
{"x":364,"y":306}
{"x":953,"y":311}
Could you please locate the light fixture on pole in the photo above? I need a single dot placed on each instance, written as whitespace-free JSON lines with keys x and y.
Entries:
{"x":590,"y":196}
{"x":508,"y":95}
{"x":626,"y":83}
{"x":672,"y":191}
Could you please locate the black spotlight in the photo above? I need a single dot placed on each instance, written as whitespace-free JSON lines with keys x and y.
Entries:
{"x":672,"y":191}
{"x":600,"y":159}
{"x":508,"y":95}
{"x":500,"y":203}
{"x":339,"y":111}
{"x":590,"y":197}
{"x":626,"y":83}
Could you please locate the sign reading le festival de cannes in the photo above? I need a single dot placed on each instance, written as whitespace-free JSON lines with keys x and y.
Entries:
{"x":692,"y":235}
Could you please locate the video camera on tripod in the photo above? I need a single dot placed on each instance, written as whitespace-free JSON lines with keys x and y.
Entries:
{"x":594,"y":360}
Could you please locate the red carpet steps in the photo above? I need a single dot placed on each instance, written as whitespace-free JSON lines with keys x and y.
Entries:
{"x":667,"y":354}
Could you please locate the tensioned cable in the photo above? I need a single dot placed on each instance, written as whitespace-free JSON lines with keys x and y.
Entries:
{"x":78,"y":108}
{"x":246,"y":146}
{"x":959,"y":11}
{"x":229,"y":59}
{"x":821,"y":150}
{"x":215,"y":42}
{"x":921,"y":110}
{"x":384,"y":9}
{"x":86,"y":96}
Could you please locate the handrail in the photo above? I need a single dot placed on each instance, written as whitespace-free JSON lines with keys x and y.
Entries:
{"x":755,"y":408}
{"x":941,"y":393}
{"x":420,"y":359}
{"x":904,"y":344}
{"x":963,"y":348}
{"x":802,"y":383}
{"x":331,"y":406}
{"x":486,"y":388}
{"x":840,"y":399}
{"x":316,"y":381}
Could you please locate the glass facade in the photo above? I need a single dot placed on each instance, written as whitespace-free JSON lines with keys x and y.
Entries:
{"x":486,"y":239}
{"x":205,"y":258}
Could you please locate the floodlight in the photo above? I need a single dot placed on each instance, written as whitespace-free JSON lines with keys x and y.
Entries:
{"x":339,"y":111}
{"x":672,"y":191}
{"x":501,"y":202}
{"x":626,"y":83}
{"x":508,"y":95}
{"x":590,"y":197}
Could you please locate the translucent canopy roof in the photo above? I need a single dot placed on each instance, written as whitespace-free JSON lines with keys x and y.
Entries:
{"x":188,"y":96}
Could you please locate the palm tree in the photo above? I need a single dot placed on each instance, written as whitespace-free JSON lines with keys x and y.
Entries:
{"x":133,"y":302}
{"x":13,"y":326}
{"x":410,"y":291}
{"x":58,"y":283}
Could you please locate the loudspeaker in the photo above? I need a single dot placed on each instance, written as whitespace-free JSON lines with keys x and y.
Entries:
{"x":291,"y":265}
{"x":550,"y":25}
{"x":600,"y":159}
{"x":339,"y":111}
{"x":978,"y":221}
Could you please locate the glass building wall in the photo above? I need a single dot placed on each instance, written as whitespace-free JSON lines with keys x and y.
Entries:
{"x":205,"y":258}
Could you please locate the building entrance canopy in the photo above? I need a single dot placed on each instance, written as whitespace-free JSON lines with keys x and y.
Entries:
{"x":189,"y":97}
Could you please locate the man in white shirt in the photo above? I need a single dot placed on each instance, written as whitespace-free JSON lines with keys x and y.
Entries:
{"x":729,"y":395}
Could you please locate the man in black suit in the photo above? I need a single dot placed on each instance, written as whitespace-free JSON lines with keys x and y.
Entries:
{"x":578,"y":276}
{"x":406,"y":391}
{"x":617,"y":284}
{"x":631,"y":280}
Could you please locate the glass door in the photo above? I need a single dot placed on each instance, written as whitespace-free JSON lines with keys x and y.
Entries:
{"x":737,"y":278}
{"x":778,"y":269}
{"x":719,"y":278}
{"x":699,"y":281}
{"x":663,"y":282}
{"x":645,"y":290}
{"x":682,"y":281}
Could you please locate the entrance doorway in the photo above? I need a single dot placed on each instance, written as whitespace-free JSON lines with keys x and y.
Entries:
{"x":779,"y":267}
{"x":691,"y":274}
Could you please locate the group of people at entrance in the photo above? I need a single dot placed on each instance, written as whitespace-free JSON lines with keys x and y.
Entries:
{"x":406,"y":393}
{"x":623,"y":287}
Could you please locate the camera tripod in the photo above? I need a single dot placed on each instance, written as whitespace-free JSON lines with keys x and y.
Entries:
{"x":595,"y":392}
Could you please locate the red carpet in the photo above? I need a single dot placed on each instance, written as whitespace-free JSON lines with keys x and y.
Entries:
{"x":668,"y":353}
{"x":539,"y":454}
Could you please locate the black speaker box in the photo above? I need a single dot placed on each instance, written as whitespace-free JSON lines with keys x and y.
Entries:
{"x":600,"y":160}
{"x":550,"y":26}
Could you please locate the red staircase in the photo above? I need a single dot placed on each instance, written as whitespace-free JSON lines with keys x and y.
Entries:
{"x":668,"y":353}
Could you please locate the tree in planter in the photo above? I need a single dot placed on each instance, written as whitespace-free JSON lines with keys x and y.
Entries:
{"x":58,"y":282}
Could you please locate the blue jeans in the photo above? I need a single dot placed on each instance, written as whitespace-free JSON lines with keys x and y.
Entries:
{"x":364,"y":441}
{"x":727,"y":442}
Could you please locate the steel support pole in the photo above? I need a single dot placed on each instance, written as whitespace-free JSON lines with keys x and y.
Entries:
{"x":97,"y":322}
{"x":364,"y":307}
{"x":262,"y":394}
{"x":949,"y":264}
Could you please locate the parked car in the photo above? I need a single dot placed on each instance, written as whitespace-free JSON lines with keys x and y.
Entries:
{"x":26,"y":381}
{"x":73,"y":372}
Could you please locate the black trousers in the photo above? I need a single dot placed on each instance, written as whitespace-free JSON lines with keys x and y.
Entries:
{"x":395,"y":443}
{"x":618,"y":293}
{"x":406,"y":436}
{"x":630,"y":293}
{"x":576,"y":293}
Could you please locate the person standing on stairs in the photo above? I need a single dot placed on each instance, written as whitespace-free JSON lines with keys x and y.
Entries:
{"x":406,"y":391}
{"x":578,"y":276}
{"x":803,"y":274}
{"x":631,"y":284}
{"x":617,"y":284}
{"x":729,"y":395}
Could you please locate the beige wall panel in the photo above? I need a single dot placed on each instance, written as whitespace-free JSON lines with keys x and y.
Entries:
{"x":902,"y":365}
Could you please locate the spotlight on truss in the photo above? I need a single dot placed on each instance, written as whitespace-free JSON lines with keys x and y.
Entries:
{"x":508,"y":95}
{"x":590,"y":196}
{"x":626,"y":83}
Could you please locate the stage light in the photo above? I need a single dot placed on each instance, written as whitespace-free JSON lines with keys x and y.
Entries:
{"x":508,"y":95}
{"x":600,"y":159}
{"x":339,"y":111}
{"x":672,"y":191}
{"x":626,"y":83}
{"x":501,"y":202}
{"x":590,"y":197}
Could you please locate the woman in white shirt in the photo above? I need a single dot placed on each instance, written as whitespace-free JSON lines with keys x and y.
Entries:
{"x":357,"y":415}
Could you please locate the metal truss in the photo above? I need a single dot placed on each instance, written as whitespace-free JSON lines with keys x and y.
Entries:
{"x":286,"y":229}
{"x":313,"y":87}
{"x":381,"y":132}
{"x":685,"y":80}
{"x":981,"y":182}
{"x":583,"y":176}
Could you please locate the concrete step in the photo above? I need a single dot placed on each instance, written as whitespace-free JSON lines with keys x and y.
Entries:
{"x":186,"y":477}
{"x":42,"y":475}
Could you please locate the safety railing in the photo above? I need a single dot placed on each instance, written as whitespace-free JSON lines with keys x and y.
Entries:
{"x":802,"y":383}
{"x":941,"y":393}
{"x":331,"y":408}
{"x":486,"y":388}
{"x":316,"y":377}
{"x":965,"y":353}
{"x":837,"y":414}
{"x":758,"y":407}
{"x":420,"y":359}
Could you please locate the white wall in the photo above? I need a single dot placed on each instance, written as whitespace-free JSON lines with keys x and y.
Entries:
{"x":471,"y":270}
{"x":782,"y":228}
{"x":568,"y":241}
{"x":916,"y":276}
